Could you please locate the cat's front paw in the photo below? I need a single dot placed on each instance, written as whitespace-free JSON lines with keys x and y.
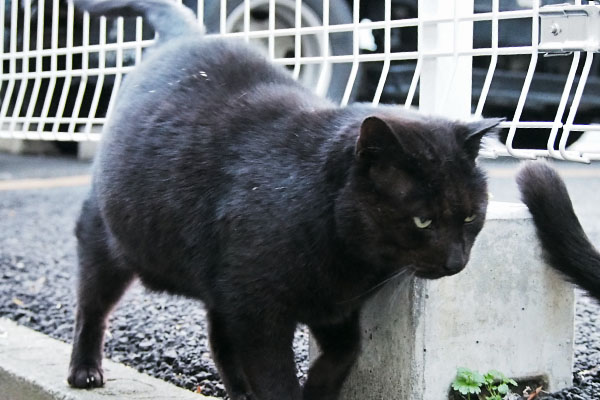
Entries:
{"x":86,"y":376}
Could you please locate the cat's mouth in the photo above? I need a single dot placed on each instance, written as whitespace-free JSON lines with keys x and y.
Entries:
{"x":435,"y":272}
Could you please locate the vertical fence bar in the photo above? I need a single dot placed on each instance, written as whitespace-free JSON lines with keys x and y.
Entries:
{"x":223,"y":17}
{"x":589,"y":57}
{"x":24,"y":66}
{"x":355,"y":52}
{"x":200,"y":13}
{"x":119,"y":74}
{"x":139,"y":36}
{"x":525,"y":90}
{"x":493,"y":61}
{"x":101,"y":75}
{"x":2,"y":49}
{"x":69,"y":68}
{"x":387,"y":51}
{"x":85,"y":58}
{"x":39,"y":46}
{"x":446,"y":81}
{"x":12,"y":65}
{"x":297,"y":39}
{"x":325,"y":73}
{"x":562,"y":105}
{"x":271,"y":40}
{"x":246,"y":20}
{"x":84,"y":77}
{"x":53,"y":70}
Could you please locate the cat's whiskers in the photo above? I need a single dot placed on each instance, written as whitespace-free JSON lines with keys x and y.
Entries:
{"x":404,"y":271}
{"x":403,"y":284}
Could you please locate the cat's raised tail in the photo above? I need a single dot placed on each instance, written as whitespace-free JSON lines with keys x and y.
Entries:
{"x":168,"y":17}
{"x":566,"y":245}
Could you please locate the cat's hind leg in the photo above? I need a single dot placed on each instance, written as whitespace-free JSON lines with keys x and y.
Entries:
{"x":340,"y":345}
{"x":101,"y":282}
{"x":264,"y":348}
{"x":225,"y":357}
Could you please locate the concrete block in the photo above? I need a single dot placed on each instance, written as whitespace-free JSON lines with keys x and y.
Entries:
{"x":507,"y":311}
{"x":34,"y":367}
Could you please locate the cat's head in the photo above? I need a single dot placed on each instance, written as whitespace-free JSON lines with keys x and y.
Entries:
{"x":415,"y":198}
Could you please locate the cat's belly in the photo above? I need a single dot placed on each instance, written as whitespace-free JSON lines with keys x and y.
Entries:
{"x":161,"y":261}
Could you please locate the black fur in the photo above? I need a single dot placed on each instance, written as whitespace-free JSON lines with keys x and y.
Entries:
{"x":221,"y":178}
{"x":567,"y":248}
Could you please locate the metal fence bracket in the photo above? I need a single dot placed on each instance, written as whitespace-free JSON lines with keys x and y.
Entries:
{"x":566,"y":28}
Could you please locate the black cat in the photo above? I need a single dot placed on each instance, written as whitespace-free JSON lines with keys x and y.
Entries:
{"x":221,"y":178}
{"x":566,"y":246}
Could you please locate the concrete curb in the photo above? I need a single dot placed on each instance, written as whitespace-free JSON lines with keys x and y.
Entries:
{"x":33,"y":366}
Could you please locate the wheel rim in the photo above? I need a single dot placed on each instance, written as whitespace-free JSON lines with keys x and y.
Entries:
{"x":316,"y":76}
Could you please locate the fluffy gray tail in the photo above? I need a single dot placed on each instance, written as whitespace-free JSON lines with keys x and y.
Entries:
{"x":566,"y":245}
{"x":167,"y":17}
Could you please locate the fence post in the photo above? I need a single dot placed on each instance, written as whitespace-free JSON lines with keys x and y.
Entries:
{"x":445,"y":81}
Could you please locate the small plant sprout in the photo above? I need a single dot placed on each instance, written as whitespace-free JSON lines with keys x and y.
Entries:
{"x":470,"y":383}
{"x":496,"y":384}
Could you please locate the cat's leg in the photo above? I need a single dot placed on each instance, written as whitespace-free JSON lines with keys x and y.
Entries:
{"x":226,"y":359}
{"x":101,"y":282}
{"x":265,"y":350}
{"x":340,"y":346}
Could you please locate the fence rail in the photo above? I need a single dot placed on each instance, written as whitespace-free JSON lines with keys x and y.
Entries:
{"x":60,"y":69}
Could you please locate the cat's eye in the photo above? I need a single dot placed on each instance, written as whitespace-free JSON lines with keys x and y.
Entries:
{"x":471,"y":218}
{"x":422,"y":223}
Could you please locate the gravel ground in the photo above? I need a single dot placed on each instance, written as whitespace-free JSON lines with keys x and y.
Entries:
{"x":161,"y":335}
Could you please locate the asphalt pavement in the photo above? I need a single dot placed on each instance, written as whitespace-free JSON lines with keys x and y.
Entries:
{"x":165,"y":336}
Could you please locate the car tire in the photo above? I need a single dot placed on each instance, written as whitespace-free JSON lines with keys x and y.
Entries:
{"x":340,"y":44}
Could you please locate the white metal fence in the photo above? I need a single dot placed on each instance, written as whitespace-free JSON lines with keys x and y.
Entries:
{"x":60,"y":69}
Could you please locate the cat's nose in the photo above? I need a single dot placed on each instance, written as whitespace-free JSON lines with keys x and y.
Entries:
{"x":456,"y":260}
{"x":454,"y":266}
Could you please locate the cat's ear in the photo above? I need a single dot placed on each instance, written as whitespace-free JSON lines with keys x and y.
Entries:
{"x":376,"y":138}
{"x":476,"y":131}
